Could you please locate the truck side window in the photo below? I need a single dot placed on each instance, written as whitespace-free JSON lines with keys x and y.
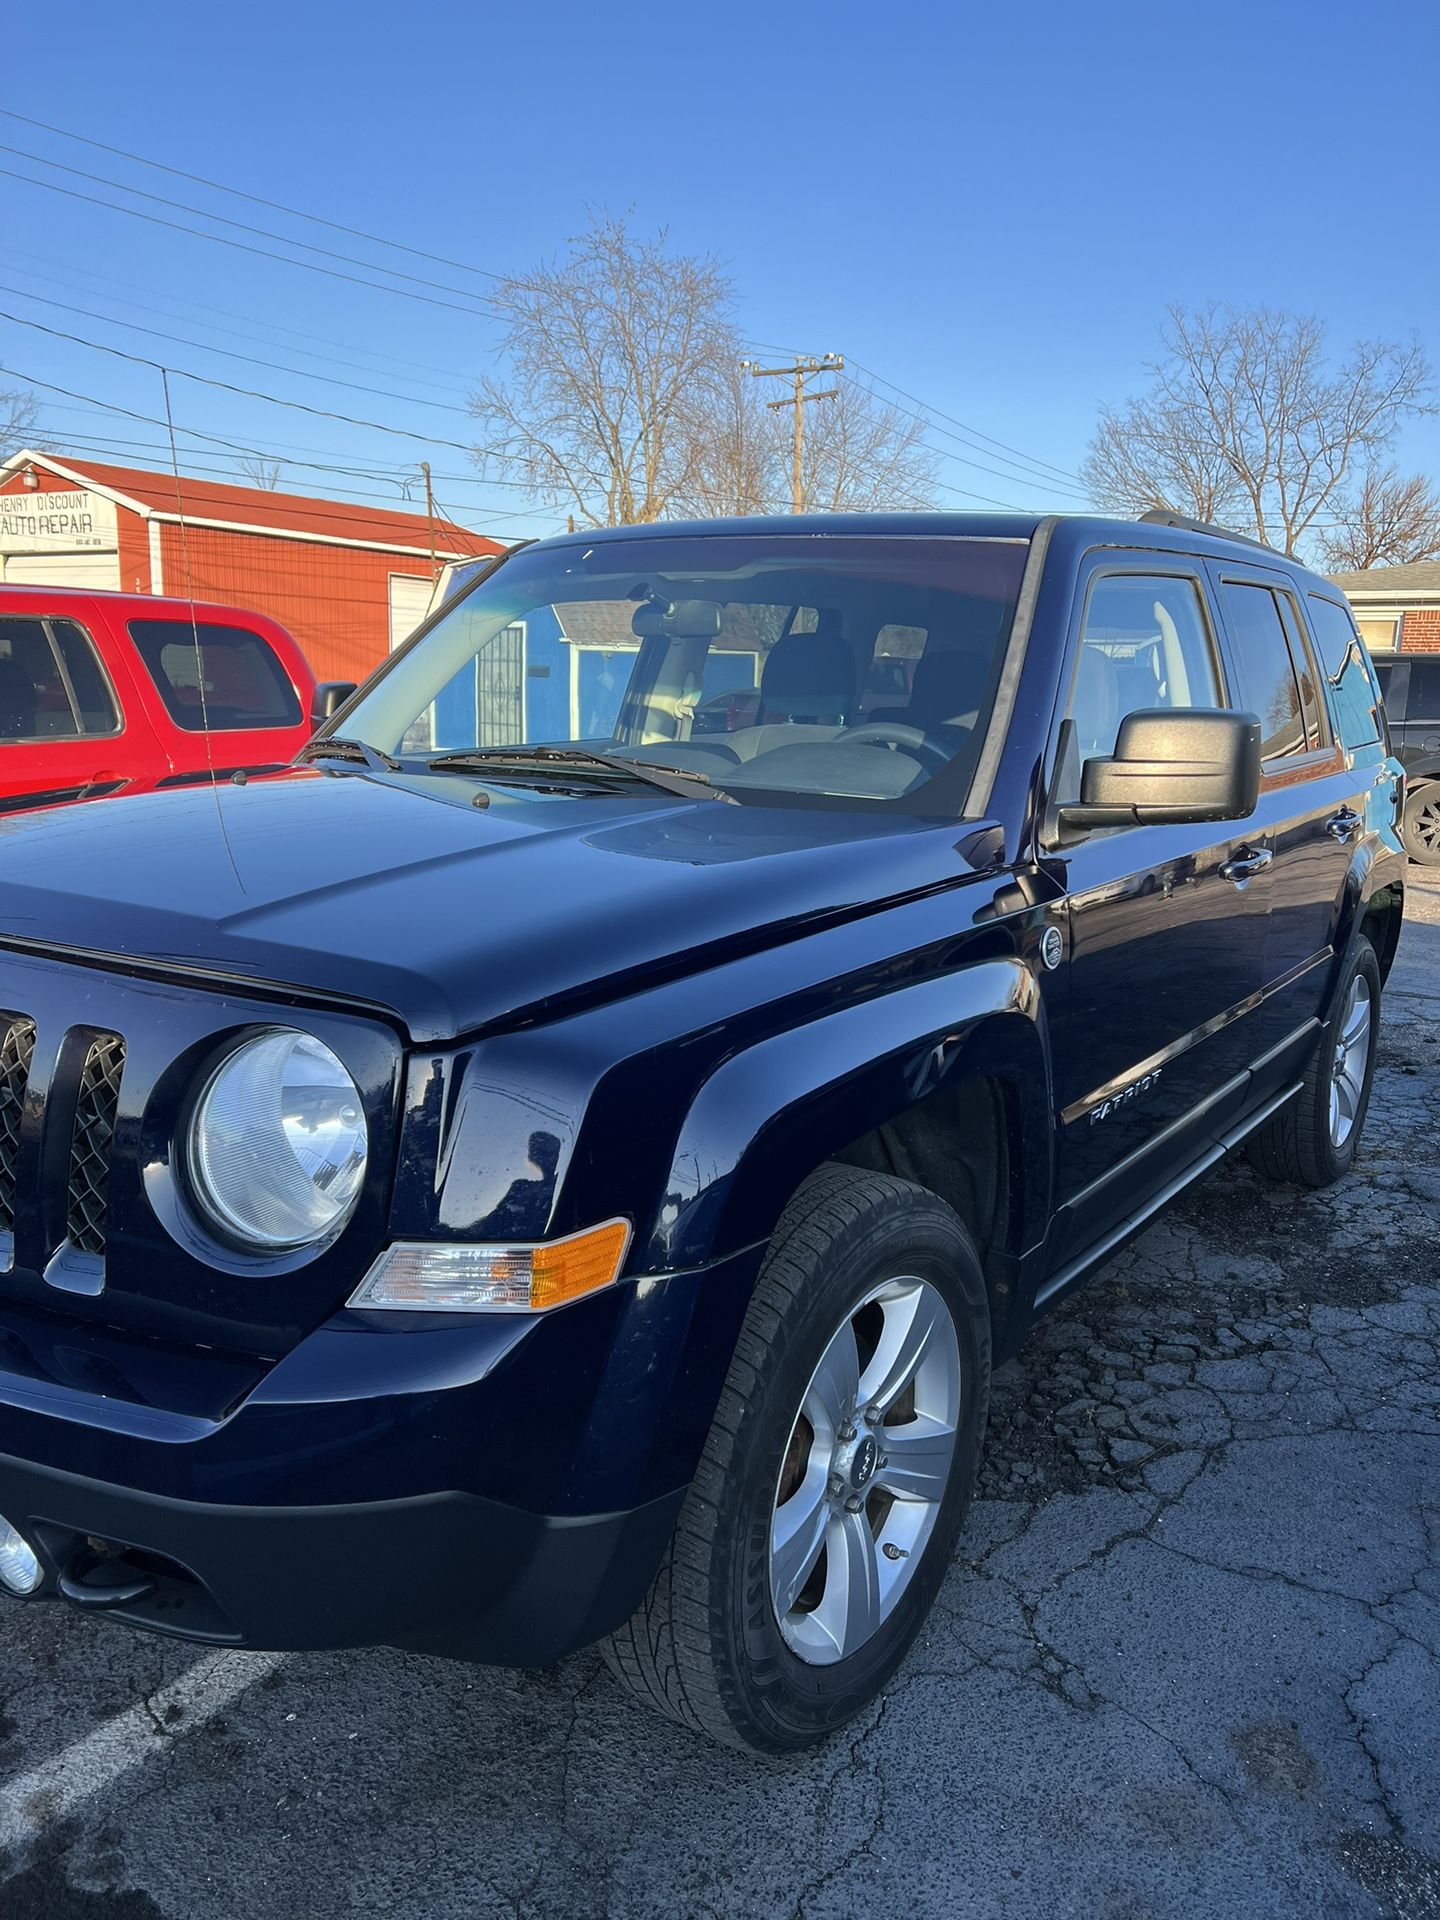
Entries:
{"x":1269,"y":684}
{"x":40,"y":662}
{"x":1348,"y":669}
{"x":1424,"y":701}
{"x":1145,"y":643}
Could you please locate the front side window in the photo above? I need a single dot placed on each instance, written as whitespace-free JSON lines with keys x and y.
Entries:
{"x":1269,"y":686}
{"x":224,"y":678}
{"x":52,"y":686}
{"x":809,"y":670}
{"x":1346,"y":667}
{"x":1144,"y":644}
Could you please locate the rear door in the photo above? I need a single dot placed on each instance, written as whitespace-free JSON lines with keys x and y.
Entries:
{"x":63,"y":727}
{"x":1152,"y":1035}
{"x":1311,"y":810}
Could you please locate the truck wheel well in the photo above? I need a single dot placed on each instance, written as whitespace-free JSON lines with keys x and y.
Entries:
{"x":1381,"y":927}
{"x":957,"y":1144}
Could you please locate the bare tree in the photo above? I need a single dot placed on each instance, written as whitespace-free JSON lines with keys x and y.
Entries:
{"x":612,"y":355}
{"x":1394,"y":519}
{"x":1246,"y":420}
{"x":19,"y":412}
{"x":860,"y":453}
{"x":260,"y":471}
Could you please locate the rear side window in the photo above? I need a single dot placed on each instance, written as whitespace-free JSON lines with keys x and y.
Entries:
{"x":1269,"y":684}
{"x":1424,"y":699}
{"x":52,"y":686}
{"x":225,"y":677}
{"x":1348,"y":670}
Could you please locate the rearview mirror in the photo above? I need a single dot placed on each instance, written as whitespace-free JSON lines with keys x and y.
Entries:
{"x":1172,"y":765}
{"x":328,"y":698}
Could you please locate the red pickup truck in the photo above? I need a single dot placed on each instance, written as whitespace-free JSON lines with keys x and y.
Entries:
{"x":104,"y":692}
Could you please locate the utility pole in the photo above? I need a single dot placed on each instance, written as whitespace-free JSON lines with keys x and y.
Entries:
{"x":805,"y":366}
{"x":429,"y":513}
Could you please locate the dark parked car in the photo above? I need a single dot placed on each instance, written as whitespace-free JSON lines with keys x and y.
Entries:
{"x":529,"y":1191}
{"x":1411,"y":686}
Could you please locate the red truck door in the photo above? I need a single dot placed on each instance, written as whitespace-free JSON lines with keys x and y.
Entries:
{"x":69,"y":726}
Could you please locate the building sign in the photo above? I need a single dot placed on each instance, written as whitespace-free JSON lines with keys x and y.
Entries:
{"x":56,"y":522}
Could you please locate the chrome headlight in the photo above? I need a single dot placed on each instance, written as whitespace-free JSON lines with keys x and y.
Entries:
{"x":277,"y":1146}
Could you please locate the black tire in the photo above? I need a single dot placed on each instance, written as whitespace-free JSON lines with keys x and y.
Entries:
{"x":1420,"y":829}
{"x":1296,"y":1147}
{"x":706,"y":1647}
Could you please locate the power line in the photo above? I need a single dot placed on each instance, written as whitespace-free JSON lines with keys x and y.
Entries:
{"x":229,"y":353}
{"x":235,"y":333}
{"x":226,"y":386}
{"x":1014,"y":478}
{"x":241,"y":226}
{"x":215,"y":439}
{"x":243,"y":246}
{"x":1063,"y":473}
{"x":276,"y":206}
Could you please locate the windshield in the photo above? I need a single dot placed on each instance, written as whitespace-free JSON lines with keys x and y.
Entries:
{"x":781,"y":669}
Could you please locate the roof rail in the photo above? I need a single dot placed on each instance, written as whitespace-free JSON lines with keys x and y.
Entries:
{"x":1163,"y":517}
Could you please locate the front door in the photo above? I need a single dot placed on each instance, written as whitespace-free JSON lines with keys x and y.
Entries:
{"x":1151,"y":1029}
{"x":59,"y":718}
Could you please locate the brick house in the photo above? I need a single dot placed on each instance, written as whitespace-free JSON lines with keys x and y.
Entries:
{"x":1398,"y":608}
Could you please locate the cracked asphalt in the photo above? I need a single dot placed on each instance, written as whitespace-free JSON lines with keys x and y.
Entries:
{"x":1187,"y":1660}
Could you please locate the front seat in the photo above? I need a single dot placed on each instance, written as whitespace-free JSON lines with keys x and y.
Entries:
{"x":947,"y":690}
{"x":807,"y":691}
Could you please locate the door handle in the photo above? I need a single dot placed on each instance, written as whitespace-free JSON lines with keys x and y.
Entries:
{"x":1245,"y":864}
{"x":1343,"y":826}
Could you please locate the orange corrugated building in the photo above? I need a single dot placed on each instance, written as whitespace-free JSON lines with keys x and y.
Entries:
{"x":349,"y":581}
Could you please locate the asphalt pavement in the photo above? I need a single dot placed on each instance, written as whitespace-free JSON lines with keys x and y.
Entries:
{"x":1187,"y":1661}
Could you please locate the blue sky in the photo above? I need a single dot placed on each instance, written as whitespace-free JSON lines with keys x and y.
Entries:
{"x":990,"y":209}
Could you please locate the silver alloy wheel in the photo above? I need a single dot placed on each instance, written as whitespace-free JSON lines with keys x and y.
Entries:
{"x":1352,"y":1057}
{"x":866,"y":1468}
{"x":1424,"y":824}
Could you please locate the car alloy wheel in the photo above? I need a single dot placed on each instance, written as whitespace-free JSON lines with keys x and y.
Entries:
{"x":1422,"y":827}
{"x":865,"y":1470}
{"x":1351,"y":1060}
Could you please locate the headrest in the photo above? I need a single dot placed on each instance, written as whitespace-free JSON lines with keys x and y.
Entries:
{"x":809,"y":676}
{"x":947,"y":686}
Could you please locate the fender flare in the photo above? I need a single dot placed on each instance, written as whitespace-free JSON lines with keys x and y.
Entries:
{"x":766,"y":1117}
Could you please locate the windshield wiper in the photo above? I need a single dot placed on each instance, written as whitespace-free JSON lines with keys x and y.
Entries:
{"x":334,"y":747}
{"x":690,"y":786}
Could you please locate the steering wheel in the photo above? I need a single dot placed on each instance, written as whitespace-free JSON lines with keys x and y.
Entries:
{"x":896,"y":733}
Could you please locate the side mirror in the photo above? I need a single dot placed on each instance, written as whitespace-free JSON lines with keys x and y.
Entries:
{"x":328,"y":699}
{"x":1170,"y":766}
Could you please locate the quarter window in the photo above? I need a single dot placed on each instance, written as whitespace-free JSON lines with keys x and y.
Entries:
{"x":224,"y":678}
{"x":51,"y":684}
{"x":1145,"y":644}
{"x":1268,"y":681}
{"x":1346,"y":667}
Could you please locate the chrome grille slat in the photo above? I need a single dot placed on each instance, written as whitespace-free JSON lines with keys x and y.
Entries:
{"x":16,"y":1052}
{"x":95,"y":1110}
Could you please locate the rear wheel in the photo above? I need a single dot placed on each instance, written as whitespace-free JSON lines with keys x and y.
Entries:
{"x":1421,"y":828}
{"x":1313,"y":1141}
{"x":835,"y":1478}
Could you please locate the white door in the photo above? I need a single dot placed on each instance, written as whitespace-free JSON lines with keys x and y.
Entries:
{"x":409,"y":604}
{"x":87,"y":570}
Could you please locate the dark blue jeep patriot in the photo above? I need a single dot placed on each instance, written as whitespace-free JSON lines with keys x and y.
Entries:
{"x":561,"y":1162}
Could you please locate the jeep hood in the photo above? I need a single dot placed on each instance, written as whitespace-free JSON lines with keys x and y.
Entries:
{"x":406,"y":895}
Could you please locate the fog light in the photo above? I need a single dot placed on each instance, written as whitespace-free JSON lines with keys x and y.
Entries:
{"x":436,"y":1277}
{"x":20,"y":1571}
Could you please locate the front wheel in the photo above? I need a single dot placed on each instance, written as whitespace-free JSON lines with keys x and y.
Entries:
{"x":835,"y":1478}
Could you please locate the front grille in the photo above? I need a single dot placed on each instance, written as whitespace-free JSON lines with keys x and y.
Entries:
{"x":16,"y":1051}
{"x":95,"y":1111}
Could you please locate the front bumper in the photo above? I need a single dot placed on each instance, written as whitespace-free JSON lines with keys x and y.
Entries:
{"x":444,"y":1573}
{"x":495,"y":1488}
